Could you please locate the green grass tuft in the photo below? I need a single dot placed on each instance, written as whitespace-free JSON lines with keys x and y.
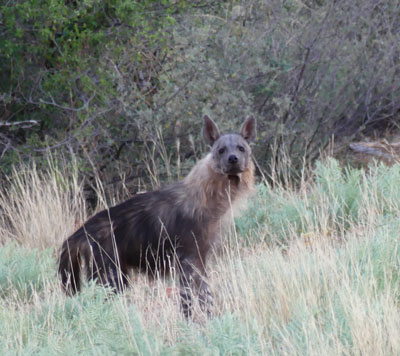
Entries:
{"x":24,"y":272}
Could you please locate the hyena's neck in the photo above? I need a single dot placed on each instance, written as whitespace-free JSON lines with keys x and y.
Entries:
{"x":212,"y":194}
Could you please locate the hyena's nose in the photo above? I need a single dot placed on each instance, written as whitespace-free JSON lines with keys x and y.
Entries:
{"x":232,"y":159}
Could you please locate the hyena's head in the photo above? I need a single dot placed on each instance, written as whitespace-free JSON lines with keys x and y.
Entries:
{"x":230,"y":152}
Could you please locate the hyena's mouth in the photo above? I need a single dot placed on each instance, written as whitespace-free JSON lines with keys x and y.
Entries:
{"x":234,"y":171}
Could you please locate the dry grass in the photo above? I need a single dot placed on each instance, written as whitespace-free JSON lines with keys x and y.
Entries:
{"x":333,"y":288}
{"x":40,"y":209}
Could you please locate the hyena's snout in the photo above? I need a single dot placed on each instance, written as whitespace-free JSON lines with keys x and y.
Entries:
{"x":232,"y":160}
{"x":234,"y":164}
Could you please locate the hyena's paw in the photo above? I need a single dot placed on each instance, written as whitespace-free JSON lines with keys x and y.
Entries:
{"x":206,"y":300}
{"x":185,"y":294}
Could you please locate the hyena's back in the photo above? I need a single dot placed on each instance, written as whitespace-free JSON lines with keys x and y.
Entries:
{"x":146,"y":232}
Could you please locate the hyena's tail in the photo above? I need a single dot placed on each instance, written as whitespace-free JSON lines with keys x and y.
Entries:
{"x":69,"y":266}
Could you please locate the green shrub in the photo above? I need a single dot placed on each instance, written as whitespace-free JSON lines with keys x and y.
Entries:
{"x":24,"y":272}
{"x":337,"y":199}
{"x":226,"y":335}
{"x":99,"y":79}
{"x":90,"y":324}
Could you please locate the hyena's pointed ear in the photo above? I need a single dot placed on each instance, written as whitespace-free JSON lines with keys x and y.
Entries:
{"x":249,"y":129}
{"x":210,"y":131}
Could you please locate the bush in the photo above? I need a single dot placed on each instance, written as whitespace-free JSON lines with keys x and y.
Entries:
{"x":308,"y":73}
{"x":24,"y":273}
{"x":227,"y":335}
{"x":76,"y":74}
{"x":89,"y":324}
{"x":338,"y":199}
{"x":101,"y":79}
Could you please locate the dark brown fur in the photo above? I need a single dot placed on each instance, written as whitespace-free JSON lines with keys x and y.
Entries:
{"x":176,"y":225}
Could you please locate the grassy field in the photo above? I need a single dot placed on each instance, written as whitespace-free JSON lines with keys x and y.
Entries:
{"x":306,"y":271}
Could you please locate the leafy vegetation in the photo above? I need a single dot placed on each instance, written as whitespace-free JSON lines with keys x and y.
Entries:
{"x":24,"y":272}
{"x":334,"y":202}
{"x":103,"y":81}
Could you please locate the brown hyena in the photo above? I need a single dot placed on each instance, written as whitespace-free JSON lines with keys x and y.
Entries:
{"x":176,"y":225}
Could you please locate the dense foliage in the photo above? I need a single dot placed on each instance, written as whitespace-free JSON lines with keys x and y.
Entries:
{"x":122,"y":85}
{"x":74,"y":75}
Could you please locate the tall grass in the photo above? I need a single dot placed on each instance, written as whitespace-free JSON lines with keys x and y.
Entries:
{"x":332,"y":203}
{"x":41,"y":207}
{"x":307,"y":271}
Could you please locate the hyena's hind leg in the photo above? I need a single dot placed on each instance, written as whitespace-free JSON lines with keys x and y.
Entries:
{"x":192,"y":280}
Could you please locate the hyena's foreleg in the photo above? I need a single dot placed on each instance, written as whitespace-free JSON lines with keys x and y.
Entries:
{"x":192,"y":280}
{"x":106,"y":269}
{"x":205,"y":297}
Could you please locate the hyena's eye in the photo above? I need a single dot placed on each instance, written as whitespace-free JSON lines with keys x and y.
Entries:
{"x":241,"y":148}
{"x":221,"y":150}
